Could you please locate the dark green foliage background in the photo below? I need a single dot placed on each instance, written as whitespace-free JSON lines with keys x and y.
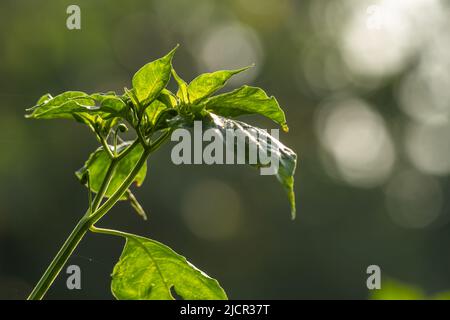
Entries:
{"x":340,"y":229}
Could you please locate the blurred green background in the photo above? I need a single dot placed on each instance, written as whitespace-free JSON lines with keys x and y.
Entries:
{"x":366,"y":90}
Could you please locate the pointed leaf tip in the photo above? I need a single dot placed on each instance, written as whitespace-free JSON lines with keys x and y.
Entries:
{"x":206,"y":84}
{"x":293,"y":211}
{"x":152,"y":78}
{"x":263,"y":141}
{"x":172,"y":52}
{"x":242,"y":69}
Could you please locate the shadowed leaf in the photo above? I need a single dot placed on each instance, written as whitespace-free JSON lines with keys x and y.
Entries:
{"x":98,"y":164}
{"x":261,"y":140}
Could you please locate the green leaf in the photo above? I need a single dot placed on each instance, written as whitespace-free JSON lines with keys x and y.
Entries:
{"x":83,"y":108}
{"x":110,"y":104}
{"x":168,"y":98}
{"x":98,"y":163}
{"x":152,"y":78}
{"x":149,"y":270}
{"x":154,"y":110}
{"x":62,"y":106}
{"x":159,"y":112}
{"x":98,"y":122}
{"x":206,"y":84}
{"x":261,"y":140}
{"x":441,"y":296}
{"x":59,"y":99}
{"x":247,"y":100}
{"x":182,"y":87}
{"x":45,"y":98}
{"x":394,"y":290}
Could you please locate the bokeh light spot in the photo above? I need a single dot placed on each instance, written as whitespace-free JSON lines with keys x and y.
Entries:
{"x":212,"y":210}
{"x":231,"y":46}
{"x":356,"y":138}
{"x":428,"y":147}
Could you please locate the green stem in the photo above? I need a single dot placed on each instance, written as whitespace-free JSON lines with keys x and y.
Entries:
{"x":109,"y":174}
{"x":80,"y":230}
{"x":100,"y":212}
{"x":60,"y":260}
{"x":105,"y":184}
{"x":111,"y":232}
{"x":106,"y":146}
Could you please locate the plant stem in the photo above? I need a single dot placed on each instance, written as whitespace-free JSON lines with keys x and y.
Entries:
{"x":106,"y":147}
{"x":109,"y":174}
{"x":78,"y":233}
{"x":89,"y":219}
{"x":105,"y":184}
{"x":60,"y":260}
{"x":100,"y":212}
{"x":111,"y":232}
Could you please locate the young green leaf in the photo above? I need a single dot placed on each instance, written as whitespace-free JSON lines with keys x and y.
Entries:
{"x":168,"y":98}
{"x":257,"y":139}
{"x":206,"y":84}
{"x":99,"y":111}
{"x":149,"y":270}
{"x":110,"y":104}
{"x":152,"y":78}
{"x":62,"y":106}
{"x":182,"y":92}
{"x":44,"y":99}
{"x":49,"y":101}
{"x":154,"y":110}
{"x":247,"y":100}
{"x":99,"y":162}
